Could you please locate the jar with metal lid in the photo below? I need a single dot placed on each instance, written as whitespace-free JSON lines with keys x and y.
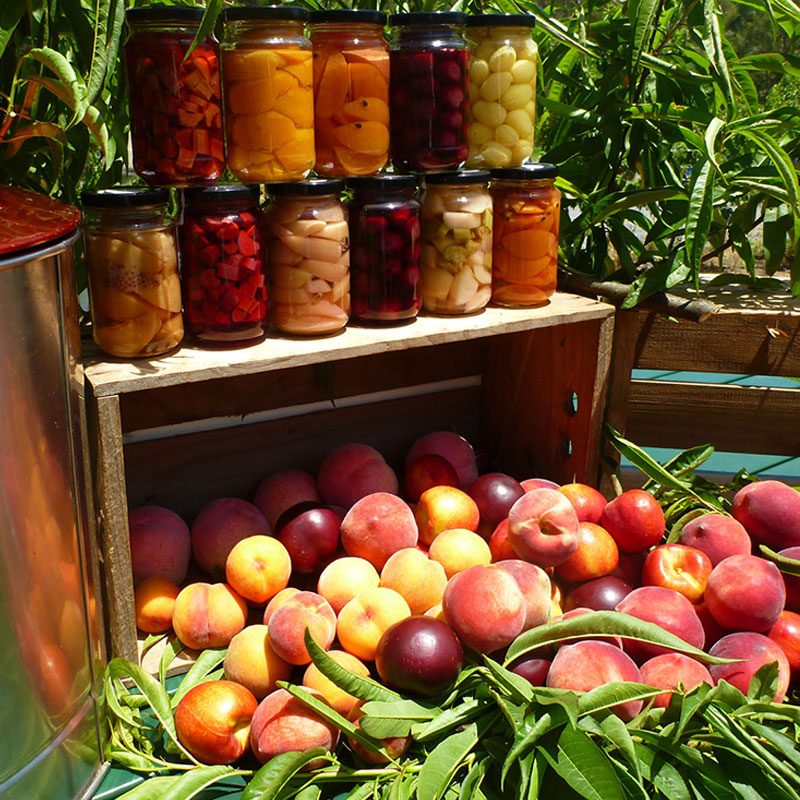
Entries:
{"x":175,"y":101}
{"x":309,"y":257}
{"x":456,"y":256}
{"x":351,"y":87}
{"x":428,"y":90}
{"x":385,"y":239}
{"x":502,"y":89}
{"x":527,"y":210}
{"x":132,"y":269}
{"x":267,"y":82}
{"x":223,"y":265}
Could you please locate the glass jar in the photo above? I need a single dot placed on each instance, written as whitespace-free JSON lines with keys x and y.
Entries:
{"x":428,"y":91}
{"x":267,"y":81}
{"x":351,"y":87}
{"x":456,"y":257}
{"x":132,"y":270}
{"x":175,"y":104}
{"x":385,"y":239}
{"x":527,"y":210}
{"x":223,"y":265}
{"x":502,"y":89}
{"x":309,"y":257}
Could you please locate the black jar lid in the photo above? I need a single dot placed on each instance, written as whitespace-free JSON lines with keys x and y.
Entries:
{"x":359,"y":16}
{"x":428,"y":18}
{"x":221,"y":191}
{"x":124,"y":197}
{"x":457,"y":176}
{"x":286,"y":13}
{"x":387,"y":182}
{"x":501,"y":20}
{"x":162,"y":13}
{"x":527,"y":172}
{"x":313,"y":187}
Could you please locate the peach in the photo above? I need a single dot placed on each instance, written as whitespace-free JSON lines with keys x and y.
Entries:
{"x":418,"y":578}
{"x":635,"y":520}
{"x":208,"y":615}
{"x":786,"y":632}
{"x":364,"y":619}
{"x":770,"y":513}
{"x":529,"y":484}
{"x":673,"y":671}
{"x":485,"y":607}
{"x":588,"y":664}
{"x":717,"y":535}
{"x":277,"y":601}
{"x":596,"y":555}
{"x":344,"y":578}
{"x":219,"y":526}
{"x":679,"y":567}
{"x":154,"y":602}
{"x":338,"y":699}
{"x":160,"y":544}
{"x":459,"y":549}
{"x":586,"y":500}
{"x":395,"y":745}
{"x":543,"y":527}
{"x":536,"y":589}
{"x":353,"y":471}
{"x":713,"y":630}
{"x":666,"y":608}
{"x":377,"y":526}
{"x":427,"y":471}
{"x":282,"y":490}
{"x":452,"y":447}
{"x":212,"y":721}
{"x":282,"y":724}
{"x":442,"y":508}
{"x":258,"y":567}
{"x":753,"y":650}
{"x":252,"y":661}
{"x":499,"y":545}
{"x":745,"y":593}
{"x":288,"y":623}
{"x":791,"y":582}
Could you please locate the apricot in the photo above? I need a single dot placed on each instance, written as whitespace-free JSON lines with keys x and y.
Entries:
{"x":443,"y":508}
{"x":278,"y":601}
{"x":452,"y":447}
{"x":258,"y":567}
{"x":154,"y":602}
{"x":344,"y":578}
{"x":415,"y":576}
{"x":716,"y":535}
{"x":282,"y":490}
{"x":252,"y":661}
{"x":770,"y":513}
{"x":338,"y":699}
{"x":353,"y":471}
{"x":366,"y":617}
{"x":753,"y":650}
{"x":160,"y":544}
{"x":208,"y":615}
{"x":288,"y":623}
{"x":673,"y":671}
{"x":459,"y":549}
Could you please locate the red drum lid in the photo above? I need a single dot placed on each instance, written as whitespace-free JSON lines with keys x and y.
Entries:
{"x":29,"y":219}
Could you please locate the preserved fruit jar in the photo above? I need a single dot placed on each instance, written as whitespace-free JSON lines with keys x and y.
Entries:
{"x":132,"y":270}
{"x":385,"y":241}
{"x":351,"y":89}
{"x":223,"y":265}
{"x":502,"y":89}
{"x":269,"y":96}
{"x":456,"y":258}
{"x":428,"y":90}
{"x":175,"y":104}
{"x":527,"y":210}
{"x":309,"y":257}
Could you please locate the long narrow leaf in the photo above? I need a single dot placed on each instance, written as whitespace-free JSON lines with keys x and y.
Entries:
{"x":443,"y":762}
{"x":274,"y":776}
{"x":73,"y":85}
{"x":10,"y":15}
{"x":199,"y":672}
{"x":641,"y":14}
{"x":782,"y":161}
{"x":698,"y":217}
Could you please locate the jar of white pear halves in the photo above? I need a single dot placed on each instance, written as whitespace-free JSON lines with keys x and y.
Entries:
{"x":502,"y":89}
{"x":456,"y":258}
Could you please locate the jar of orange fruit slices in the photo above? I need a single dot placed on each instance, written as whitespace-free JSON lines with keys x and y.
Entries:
{"x":351,"y":89}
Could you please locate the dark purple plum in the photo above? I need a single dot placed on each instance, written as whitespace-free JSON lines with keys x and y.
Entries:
{"x":310,"y":532}
{"x":494,"y":493}
{"x":601,"y":594}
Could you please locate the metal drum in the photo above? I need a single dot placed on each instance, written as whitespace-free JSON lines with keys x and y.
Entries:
{"x":51,"y":652}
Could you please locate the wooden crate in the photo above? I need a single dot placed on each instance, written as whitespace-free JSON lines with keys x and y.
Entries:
{"x":526,"y":386}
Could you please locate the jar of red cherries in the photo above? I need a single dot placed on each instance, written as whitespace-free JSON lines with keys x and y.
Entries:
{"x":223,"y":265}
{"x":175,"y":100}
{"x":429,"y":88}
{"x":385,"y":249}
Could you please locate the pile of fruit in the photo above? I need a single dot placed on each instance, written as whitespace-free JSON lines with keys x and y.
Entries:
{"x":491,"y":603}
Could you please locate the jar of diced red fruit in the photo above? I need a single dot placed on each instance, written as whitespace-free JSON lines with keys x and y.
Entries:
{"x":385,"y":245}
{"x":268,"y":78}
{"x":309,"y":257}
{"x":223,"y":265}
{"x":429,"y":91}
{"x":527,"y":210}
{"x":175,"y":104}
{"x":132,"y":270}
{"x":351,"y":87}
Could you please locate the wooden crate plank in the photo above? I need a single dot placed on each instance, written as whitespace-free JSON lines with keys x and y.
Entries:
{"x":741,"y":419}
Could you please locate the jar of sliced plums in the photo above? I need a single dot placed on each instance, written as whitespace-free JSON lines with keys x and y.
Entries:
{"x":309,"y":257}
{"x":223,"y":265}
{"x":385,"y":242}
{"x":429,"y":85}
{"x":527,"y":210}
{"x":175,"y":100}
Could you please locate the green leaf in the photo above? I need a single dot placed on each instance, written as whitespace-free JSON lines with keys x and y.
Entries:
{"x":781,"y":160}
{"x":528,"y":737}
{"x":710,"y":139}
{"x":103,"y":14}
{"x":685,"y":462}
{"x":443,"y":762}
{"x":475,"y":776}
{"x":698,"y":217}
{"x":309,"y":793}
{"x":195,"y":781}
{"x":73,"y":86}
{"x":663,"y":775}
{"x":775,"y":237}
{"x":449,"y":718}
{"x":713,"y":45}
{"x":199,"y":672}
{"x":785,"y":745}
{"x":611,"y":694}
{"x":10,"y":15}
{"x":764,"y":683}
{"x":173,"y":647}
{"x":616,"y":731}
{"x":213,"y":9}
{"x":641,"y":15}
{"x":620,"y":201}
{"x":151,"y":789}
{"x":519,"y":689}
{"x":382,"y":720}
{"x":788,"y":566}
{"x":276,"y":774}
